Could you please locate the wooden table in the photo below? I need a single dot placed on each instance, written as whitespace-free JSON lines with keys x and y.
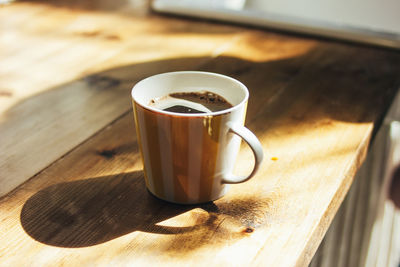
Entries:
{"x":71,"y":177}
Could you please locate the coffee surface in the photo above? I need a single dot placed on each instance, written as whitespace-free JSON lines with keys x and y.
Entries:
{"x":183,"y":109}
{"x":192,"y":102}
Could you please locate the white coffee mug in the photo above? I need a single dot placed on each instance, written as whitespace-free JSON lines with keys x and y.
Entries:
{"x":189,"y":158}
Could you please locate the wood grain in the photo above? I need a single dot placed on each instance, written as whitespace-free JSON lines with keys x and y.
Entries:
{"x":313,"y":104}
{"x":75,"y":67}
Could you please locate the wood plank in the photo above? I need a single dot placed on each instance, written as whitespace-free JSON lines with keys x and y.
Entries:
{"x":91,"y":205}
{"x":334,"y":85}
{"x":313,"y":104}
{"x":79,"y":69}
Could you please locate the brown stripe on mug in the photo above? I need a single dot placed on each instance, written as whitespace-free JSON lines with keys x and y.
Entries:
{"x":147,"y":131}
{"x":182,"y":152}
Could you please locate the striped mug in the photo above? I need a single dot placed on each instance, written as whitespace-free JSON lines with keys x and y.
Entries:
{"x":188,"y":158}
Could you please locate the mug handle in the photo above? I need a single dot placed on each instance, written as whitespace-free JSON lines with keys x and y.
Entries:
{"x":255,"y":146}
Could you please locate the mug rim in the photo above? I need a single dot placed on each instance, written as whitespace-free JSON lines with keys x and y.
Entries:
{"x":207,"y":114}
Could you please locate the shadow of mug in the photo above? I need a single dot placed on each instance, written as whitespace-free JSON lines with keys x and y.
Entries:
{"x":92,"y":211}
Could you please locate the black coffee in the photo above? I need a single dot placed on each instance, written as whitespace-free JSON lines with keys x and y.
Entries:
{"x":211,"y":101}
{"x":183,"y":109}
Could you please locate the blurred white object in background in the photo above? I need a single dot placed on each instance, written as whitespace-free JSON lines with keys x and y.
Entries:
{"x":368,"y":21}
{"x":5,"y":2}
